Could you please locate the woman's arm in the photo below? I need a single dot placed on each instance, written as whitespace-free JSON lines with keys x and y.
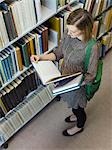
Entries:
{"x":57,"y":54}
{"x":92,"y":67}
{"x":36,"y":58}
{"x":50,"y":56}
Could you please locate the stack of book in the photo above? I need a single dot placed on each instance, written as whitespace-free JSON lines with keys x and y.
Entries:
{"x":16,"y":91}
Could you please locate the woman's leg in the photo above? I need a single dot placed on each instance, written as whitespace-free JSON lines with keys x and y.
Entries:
{"x":81,"y":116}
{"x":81,"y":119}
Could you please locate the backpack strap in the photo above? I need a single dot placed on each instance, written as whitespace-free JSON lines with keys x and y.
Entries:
{"x":89,"y":46}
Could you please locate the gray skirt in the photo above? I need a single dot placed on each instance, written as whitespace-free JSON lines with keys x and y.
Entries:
{"x":75,"y":98}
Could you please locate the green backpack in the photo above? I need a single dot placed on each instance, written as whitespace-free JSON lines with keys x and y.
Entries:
{"x":91,"y":88}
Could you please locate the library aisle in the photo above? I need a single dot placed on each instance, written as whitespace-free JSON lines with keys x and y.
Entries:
{"x":44,"y":132}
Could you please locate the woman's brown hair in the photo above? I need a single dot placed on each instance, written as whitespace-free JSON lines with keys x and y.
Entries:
{"x":82,"y":20}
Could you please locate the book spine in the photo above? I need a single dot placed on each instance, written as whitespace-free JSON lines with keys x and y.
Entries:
{"x":4,"y":68}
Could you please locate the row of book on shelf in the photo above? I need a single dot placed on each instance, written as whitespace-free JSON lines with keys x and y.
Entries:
{"x":103,"y":24}
{"x":15,"y":92}
{"x":14,"y":120}
{"x":95,"y":7}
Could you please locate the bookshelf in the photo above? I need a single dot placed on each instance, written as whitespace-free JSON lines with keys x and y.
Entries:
{"x":102,"y":29}
{"x":35,"y":99}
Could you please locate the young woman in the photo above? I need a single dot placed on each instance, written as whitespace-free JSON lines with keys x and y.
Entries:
{"x":72,"y":50}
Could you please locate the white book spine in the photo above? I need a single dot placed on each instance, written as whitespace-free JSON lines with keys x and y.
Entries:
{"x":14,"y":9}
{"x":3,"y":31}
{"x":21,"y":19}
{"x":33,"y":15}
{"x":38,"y":9}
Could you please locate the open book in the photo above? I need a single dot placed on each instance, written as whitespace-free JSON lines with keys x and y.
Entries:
{"x":49,"y":73}
{"x":67,"y":85}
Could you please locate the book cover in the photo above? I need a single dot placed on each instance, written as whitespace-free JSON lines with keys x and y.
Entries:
{"x":7,"y":63}
{"x":10,"y":99}
{"x":2,"y":105}
{"x":12,"y":95}
{"x":108,"y":20}
{"x":17,"y":96}
{"x":16,"y":16}
{"x":49,"y":73}
{"x":10,"y":61}
{"x":99,"y":7}
{"x":34,"y":37}
{"x":1,"y":79}
{"x":5,"y":66}
{"x":26,"y":83}
{"x":9,"y":21}
{"x":54,"y":23}
{"x":95,"y":30}
{"x":68,"y":85}
{"x":42,"y":34}
{"x":2,"y":71}
{"x":33,"y":80}
{"x":19,"y":58}
{"x":23,"y":86}
{"x":3,"y":35}
{"x":38,"y":9}
{"x":12,"y":49}
{"x":45,"y":37}
{"x":1,"y":113}
{"x":5,"y":99}
{"x":24,"y":51}
{"x":39,"y":38}
{"x":31,"y":44}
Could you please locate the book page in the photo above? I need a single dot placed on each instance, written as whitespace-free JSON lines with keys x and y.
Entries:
{"x":46,"y":70}
{"x":63,"y":77}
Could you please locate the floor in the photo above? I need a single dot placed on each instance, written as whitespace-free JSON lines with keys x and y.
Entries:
{"x":44,"y":131}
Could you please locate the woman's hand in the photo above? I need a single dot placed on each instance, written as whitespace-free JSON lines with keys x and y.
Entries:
{"x":35,"y":58}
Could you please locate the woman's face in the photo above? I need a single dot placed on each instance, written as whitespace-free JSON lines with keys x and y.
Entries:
{"x":74,"y":32}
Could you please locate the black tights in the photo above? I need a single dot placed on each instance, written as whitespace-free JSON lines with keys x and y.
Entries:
{"x":81,"y":116}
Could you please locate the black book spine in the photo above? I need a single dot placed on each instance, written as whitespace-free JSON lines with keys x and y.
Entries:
{"x":9,"y":23}
{"x":1,"y":113}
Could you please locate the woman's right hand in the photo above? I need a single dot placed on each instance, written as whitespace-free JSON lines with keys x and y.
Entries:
{"x":34,"y":58}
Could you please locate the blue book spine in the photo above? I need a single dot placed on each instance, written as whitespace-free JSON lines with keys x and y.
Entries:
{"x":5,"y":70}
{"x":13,"y":59}
{"x":40,"y":43}
{"x":10,"y":65}
{"x":3,"y":75}
{"x":10,"y":62}
{"x":7,"y":65}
